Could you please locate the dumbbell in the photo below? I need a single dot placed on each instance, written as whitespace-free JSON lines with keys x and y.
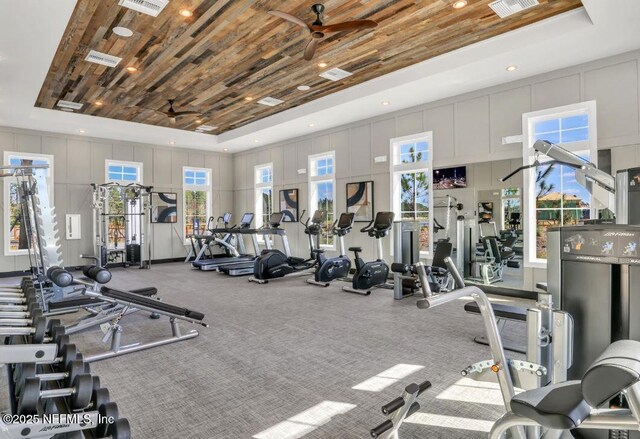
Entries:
{"x":98,"y":274}
{"x":79,"y":394}
{"x":120,"y":429}
{"x":68,"y":353}
{"x":71,"y":371}
{"x":60,"y":276}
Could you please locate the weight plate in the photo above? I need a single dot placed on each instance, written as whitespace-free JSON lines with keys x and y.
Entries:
{"x":29,"y":397}
{"x":121,"y":429}
{"x":53,"y":323}
{"x":28,"y":370}
{"x":69,"y":353}
{"x":100,"y":397}
{"x":39,"y":330}
{"x":107,"y":410}
{"x":74,"y":369}
{"x":83,"y":388}
{"x":96,"y":382}
{"x":62,"y":341}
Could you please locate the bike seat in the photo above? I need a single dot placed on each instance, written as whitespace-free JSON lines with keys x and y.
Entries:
{"x":317,"y":251}
{"x":355,"y":249}
{"x":559,"y":406}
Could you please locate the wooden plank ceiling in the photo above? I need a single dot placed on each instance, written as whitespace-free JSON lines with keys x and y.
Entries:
{"x":231,"y":50}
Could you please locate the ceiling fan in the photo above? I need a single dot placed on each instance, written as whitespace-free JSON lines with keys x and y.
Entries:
{"x":173,"y":114}
{"x":319,"y":31}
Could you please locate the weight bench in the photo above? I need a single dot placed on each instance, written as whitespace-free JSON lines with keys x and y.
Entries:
{"x":130,"y":300}
{"x":503,"y":314}
{"x":100,"y":311}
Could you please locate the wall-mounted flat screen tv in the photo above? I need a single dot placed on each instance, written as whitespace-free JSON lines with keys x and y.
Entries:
{"x":450,"y":178}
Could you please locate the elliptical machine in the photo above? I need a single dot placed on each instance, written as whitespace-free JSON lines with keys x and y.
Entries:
{"x":374,"y":273}
{"x":328,"y":269}
{"x":273,"y":264}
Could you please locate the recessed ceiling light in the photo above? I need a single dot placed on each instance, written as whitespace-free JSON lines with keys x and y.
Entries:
{"x":257,"y":141}
{"x":131,"y":69}
{"x":512,"y":68}
{"x":198,"y":120}
{"x":322,"y":65}
{"x":122,"y":31}
{"x":248,"y":98}
{"x":81,"y":131}
{"x":312,"y":125}
{"x":68,"y":110}
{"x":460,"y":4}
{"x":226,"y":149}
{"x":303,"y":87}
{"x":98,"y":103}
{"x":172,"y":143}
{"x":185,"y":13}
{"x":385,"y":103}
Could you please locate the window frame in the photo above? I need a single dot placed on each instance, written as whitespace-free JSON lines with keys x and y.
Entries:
{"x":529,"y":209}
{"x":314,"y":180}
{"x":207,"y":187}
{"x":397,"y":168}
{"x":258,"y":187}
{"x":139,"y":170}
{"x":7,"y":193}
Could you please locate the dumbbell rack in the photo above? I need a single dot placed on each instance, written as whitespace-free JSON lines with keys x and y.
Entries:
{"x":398,"y":410}
{"x":47,"y":377}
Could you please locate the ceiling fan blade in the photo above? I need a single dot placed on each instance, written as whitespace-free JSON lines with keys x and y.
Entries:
{"x":347,"y":26}
{"x":290,"y":18}
{"x":184,"y":113}
{"x":311,"y":49}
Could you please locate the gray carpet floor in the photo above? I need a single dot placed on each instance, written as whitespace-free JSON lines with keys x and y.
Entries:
{"x":281,"y":361}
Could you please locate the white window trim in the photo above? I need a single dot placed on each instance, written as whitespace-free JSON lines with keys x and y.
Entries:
{"x":258,"y":186}
{"x":528,"y":204}
{"x":195,"y":187}
{"x":396,"y":168}
{"x":7,"y":189}
{"x":313,"y":179}
{"x":137,"y":165}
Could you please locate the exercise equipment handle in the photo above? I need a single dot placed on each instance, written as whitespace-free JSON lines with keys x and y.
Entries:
{"x":454,"y":272}
{"x":392,"y":406}
{"x":382,"y":428}
{"x":426,"y":385}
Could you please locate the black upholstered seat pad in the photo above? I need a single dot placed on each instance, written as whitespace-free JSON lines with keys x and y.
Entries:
{"x":559,"y":406}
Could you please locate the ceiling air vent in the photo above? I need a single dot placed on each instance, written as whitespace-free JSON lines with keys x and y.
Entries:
{"x":69,"y":105}
{"x":504,"y":8}
{"x":270,"y":102}
{"x":149,"y":7}
{"x":205,"y":128}
{"x":335,"y":74}
{"x":103,"y":59}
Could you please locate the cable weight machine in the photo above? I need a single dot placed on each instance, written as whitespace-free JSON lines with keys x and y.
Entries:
{"x":121,"y":218}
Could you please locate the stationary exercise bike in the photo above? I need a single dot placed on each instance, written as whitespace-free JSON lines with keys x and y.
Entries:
{"x":374,"y":273}
{"x":328,"y":269}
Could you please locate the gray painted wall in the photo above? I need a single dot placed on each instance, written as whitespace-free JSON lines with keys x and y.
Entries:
{"x":467,"y":129}
{"x":80,"y":161}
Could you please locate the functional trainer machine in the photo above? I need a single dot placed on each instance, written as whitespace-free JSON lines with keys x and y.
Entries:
{"x":329,"y":269}
{"x":372,"y":274}
{"x":121,"y":216}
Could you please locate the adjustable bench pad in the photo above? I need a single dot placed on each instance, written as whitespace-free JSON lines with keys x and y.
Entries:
{"x":136,"y":299}
{"x":74,"y":302}
{"x":506,"y":312}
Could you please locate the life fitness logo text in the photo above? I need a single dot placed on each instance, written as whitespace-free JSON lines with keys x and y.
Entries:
{"x":631,"y":234}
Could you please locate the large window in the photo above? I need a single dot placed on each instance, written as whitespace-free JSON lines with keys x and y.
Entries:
{"x":552,"y":196}
{"x":15,"y":235}
{"x":322,"y":193}
{"x":196,"y":185}
{"x":122,"y":173}
{"x":263,"y":197}
{"x":411,"y":192}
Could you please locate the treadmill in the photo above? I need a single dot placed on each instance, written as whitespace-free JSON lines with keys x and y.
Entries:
{"x":237,"y":256}
{"x":272,"y":228}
